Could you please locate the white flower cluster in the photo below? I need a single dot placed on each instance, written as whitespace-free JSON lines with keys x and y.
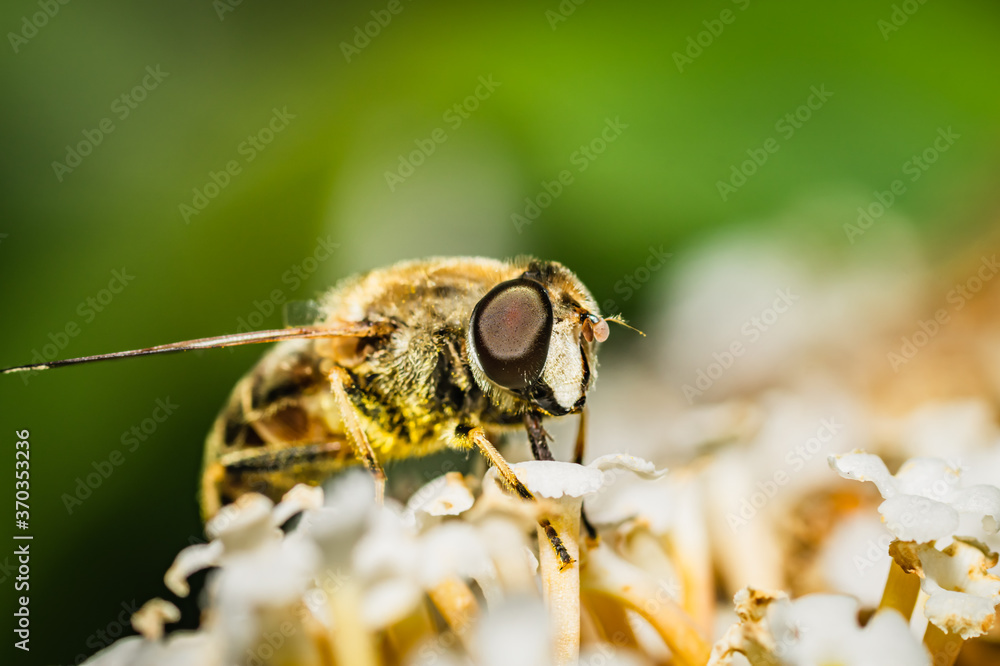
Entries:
{"x":925,"y":500}
{"x":926,"y":507}
{"x":454,"y":576}
{"x":447,"y":577}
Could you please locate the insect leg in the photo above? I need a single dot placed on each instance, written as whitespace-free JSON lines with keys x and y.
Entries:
{"x":581,"y":442}
{"x":210,"y":496}
{"x":339,"y":380}
{"x":581,"y":437}
{"x":271,"y":471}
{"x":277,"y":459}
{"x":538,"y":437}
{"x":466,"y":437}
{"x":540,"y":447}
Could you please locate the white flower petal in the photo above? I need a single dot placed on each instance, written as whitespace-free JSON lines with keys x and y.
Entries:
{"x":925,"y":501}
{"x":887,"y":639}
{"x":626,"y":499}
{"x":982,"y":501}
{"x":991,"y":525}
{"x":961,"y":613}
{"x":512,"y":559}
{"x":389,"y":601}
{"x":298,"y":499}
{"x":120,"y":653}
{"x":337,"y":526}
{"x":827,"y":632}
{"x":913,"y":518}
{"x":351,"y":492}
{"x":334,"y":531}
{"x":149,"y":619}
{"x":531,"y":560}
{"x":816,"y":629}
{"x":515,"y":633}
{"x":388,"y":548}
{"x":180,"y":649}
{"x":189,"y":647}
{"x":927,"y":477}
{"x":453,"y":549}
{"x":962,"y":594}
{"x":447,"y":495}
{"x":855,"y":558}
{"x":243,"y":524}
{"x":632,"y":487}
{"x":862,"y":466}
{"x":192,"y":559}
{"x":555,"y":480}
{"x":621,"y":461}
{"x":251,"y":587}
{"x":274,"y":575}
{"x":183,"y":648}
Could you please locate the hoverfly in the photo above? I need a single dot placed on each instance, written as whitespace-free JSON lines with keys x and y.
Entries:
{"x":403,"y":362}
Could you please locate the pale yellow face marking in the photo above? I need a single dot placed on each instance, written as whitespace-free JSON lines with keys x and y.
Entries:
{"x":563,"y":370}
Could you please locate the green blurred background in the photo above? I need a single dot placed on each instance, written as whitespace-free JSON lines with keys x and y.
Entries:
{"x":323,"y":176}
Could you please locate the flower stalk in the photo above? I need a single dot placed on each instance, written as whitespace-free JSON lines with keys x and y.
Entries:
{"x":901,"y":591}
{"x":408,"y":633}
{"x":352,"y":641}
{"x":943,"y":646}
{"x":457,"y":605}
{"x":561,"y":582}
{"x":612,"y":618}
{"x":606,"y":573}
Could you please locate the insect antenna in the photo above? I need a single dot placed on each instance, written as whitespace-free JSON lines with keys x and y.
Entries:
{"x":621,"y":322}
{"x":231,"y":340}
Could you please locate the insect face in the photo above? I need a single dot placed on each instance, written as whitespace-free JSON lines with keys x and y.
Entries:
{"x":533,"y":337}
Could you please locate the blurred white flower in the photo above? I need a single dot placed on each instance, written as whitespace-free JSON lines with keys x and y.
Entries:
{"x":253,"y":589}
{"x":447,"y":495}
{"x":854,"y":559}
{"x":155,"y":613}
{"x":815,"y":630}
{"x":631,"y":488}
{"x":769,"y":295}
{"x":180,"y":649}
{"x":455,"y":577}
{"x":961,"y":427}
{"x":526,"y":619}
{"x":240,"y":527}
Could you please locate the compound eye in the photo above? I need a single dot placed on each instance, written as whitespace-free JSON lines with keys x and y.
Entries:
{"x":511,"y":327}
